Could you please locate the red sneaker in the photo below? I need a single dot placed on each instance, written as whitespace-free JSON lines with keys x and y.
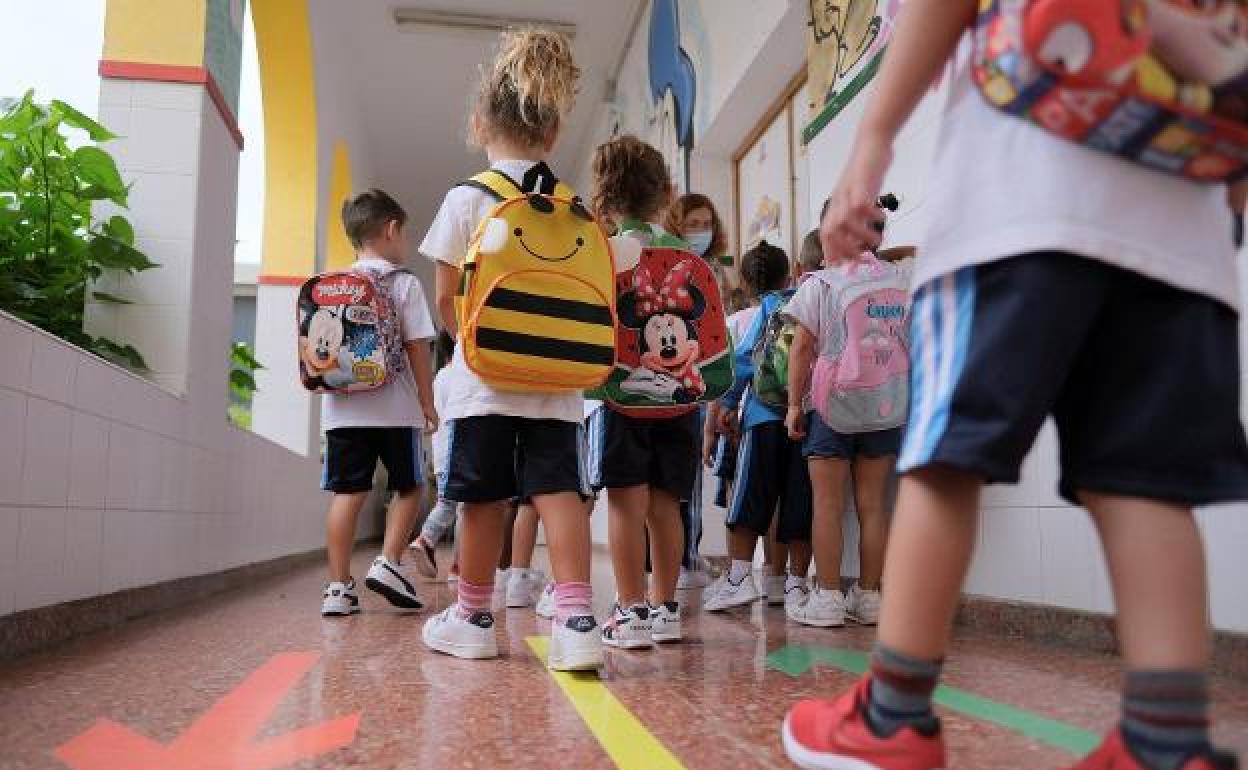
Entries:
{"x":1114,"y":755}
{"x":833,"y":735}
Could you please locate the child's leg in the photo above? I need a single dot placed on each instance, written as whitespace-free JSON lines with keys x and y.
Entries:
{"x":524,"y":536}
{"x":777,"y":552}
{"x":438,"y":522}
{"x":870,"y":484}
{"x":627,"y":511}
{"x":667,"y":538}
{"x":504,"y":553}
{"x":828,"y":476}
{"x":400,"y":518}
{"x":480,"y":542}
{"x":800,"y":554}
{"x":344,"y":509}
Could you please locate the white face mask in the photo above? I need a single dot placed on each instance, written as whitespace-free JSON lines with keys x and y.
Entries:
{"x":700,"y":240}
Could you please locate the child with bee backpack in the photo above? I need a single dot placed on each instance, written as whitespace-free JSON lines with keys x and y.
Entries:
{"x":1056,"y":279}
{"x":534,"y":269}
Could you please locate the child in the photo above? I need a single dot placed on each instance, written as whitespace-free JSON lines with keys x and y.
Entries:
{"x":769,"y":467}
{"x":523,"y":582}
{"x":383,"y":424}
{"x":505,"y":444}
{"x":1098,"y":291}
{"x":442,"y":516}
{"x":647,"y":466}
{"x":832,"y":456}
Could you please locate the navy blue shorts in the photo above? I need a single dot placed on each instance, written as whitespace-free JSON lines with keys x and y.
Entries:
{"x":1142,"y":378}
{"x":351,"y":456}
{"x":494,"y":458}
{"x":771,"y":472}
{"x":629,"y":451}
{"x":822,"y":441}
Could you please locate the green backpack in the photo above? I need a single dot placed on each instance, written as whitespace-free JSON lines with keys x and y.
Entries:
{"x":771,"y":357}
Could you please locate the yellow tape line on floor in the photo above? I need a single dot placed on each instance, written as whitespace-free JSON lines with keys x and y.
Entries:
{"x":626,"y":740}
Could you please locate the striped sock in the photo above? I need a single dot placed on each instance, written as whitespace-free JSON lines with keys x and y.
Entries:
{"x":474,"y":598}
{"x":901,"y":691}
{"x":1165,"y":718}
{"x":571,"y":600}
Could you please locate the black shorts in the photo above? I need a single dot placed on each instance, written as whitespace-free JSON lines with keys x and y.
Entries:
{"x":1142,"y":378}
{"x":351,"y":456}
{"x":496,"y":457}
{"x":628,"y":451}
{"x":771,"y":473}
{"x":822,"y":441}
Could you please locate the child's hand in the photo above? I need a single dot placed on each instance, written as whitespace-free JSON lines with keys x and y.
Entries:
{"x":432,"y":421}
{"x":793,"y":420}
{"x":852,"y":222}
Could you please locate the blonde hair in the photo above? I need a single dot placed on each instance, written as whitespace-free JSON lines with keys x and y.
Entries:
{"x":630,"y":179}
{"x":530,"y":86}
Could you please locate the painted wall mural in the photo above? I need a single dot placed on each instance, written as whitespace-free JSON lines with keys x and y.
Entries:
{"x":844,"y":45}
{"x":673,"y":86}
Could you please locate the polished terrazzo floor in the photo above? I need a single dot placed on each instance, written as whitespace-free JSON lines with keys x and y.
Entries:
{"x":164,"y":686}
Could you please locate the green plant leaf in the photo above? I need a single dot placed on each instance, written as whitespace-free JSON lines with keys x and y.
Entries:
{"x":108,"y":252}
{"x":113,"y":299}
{"x":242,"y":356}
{"x":96,"y":167}
{"x":242,"y":380}
{"x":120,"y":228}
{"x":73,"y":117}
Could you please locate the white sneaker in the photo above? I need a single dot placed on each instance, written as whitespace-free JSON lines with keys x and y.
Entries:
{"x":864,"y":606}
{"x":340,"y":599}
{"x":523,"y":586}
{"x":546,"y":603}
{"x":724,"y":594}
{"x":692,"y":578}
{"x":500,"y":580}
{"x":823,"y":609}
{"x":629,"y":629}
{"x":385,"y":578}
{"x":471,"y":638}
{"x":665,"y":620}
{"x":575,"y":645}
{"x":424,"y":558}
{"x":796,"y":590}
{"x":773,"y":589}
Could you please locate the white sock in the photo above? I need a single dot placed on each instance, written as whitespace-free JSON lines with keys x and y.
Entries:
{"x":793,"y":580}
{"x":739,"y":570}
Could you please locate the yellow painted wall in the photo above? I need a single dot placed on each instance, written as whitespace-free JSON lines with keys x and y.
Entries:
{"x":156,"y":32}
{"x":288,"y":86}
{"x":338,"y":251}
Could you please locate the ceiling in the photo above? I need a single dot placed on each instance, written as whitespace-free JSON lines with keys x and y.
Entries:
{"x":414,"y":88}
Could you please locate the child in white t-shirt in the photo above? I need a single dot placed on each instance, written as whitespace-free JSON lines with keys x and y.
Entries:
{"x":442,"y":517}
{"x":1053,"y":280}
{"x":506,"y":445}
{"x":383,"y":424}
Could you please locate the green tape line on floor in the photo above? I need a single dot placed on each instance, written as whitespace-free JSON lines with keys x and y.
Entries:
{"x":796,"y":660}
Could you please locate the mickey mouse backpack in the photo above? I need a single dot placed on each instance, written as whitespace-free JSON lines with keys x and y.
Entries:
{"x":349,"y":334}
{"x":537,"y":302}
{"x":861,"y":377}
{"x":1160,"y":82}
{"x":672,"y":341}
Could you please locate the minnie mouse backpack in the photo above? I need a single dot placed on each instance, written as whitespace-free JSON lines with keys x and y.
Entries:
{"x":861,"y":378}
{"x":673,"y":350}
{"x":1160,"y":82}
{"x":349,"y":334}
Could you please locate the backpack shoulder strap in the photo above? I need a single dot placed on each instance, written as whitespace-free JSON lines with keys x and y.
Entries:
{"x":495,"y":184}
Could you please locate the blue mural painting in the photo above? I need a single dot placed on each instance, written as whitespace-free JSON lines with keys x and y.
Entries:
{"x":673,"y":77}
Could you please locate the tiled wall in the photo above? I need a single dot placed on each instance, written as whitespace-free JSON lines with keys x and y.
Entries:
{"x":105,"y":484}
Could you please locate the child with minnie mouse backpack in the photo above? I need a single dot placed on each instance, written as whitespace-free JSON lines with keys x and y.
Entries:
{"x":1055,"y":279}
{"x":673,"y":353}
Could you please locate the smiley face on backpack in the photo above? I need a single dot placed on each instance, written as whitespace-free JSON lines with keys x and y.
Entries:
{"x":548,"y":230}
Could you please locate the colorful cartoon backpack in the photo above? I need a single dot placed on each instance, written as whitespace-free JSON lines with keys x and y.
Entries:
{"x":672,"y":339}
{"x":770,"y":356}
{"x":349,"y":333}
{"x":1161,"y":82}
{"x":537,"y":302}
{"x":861,"y":378}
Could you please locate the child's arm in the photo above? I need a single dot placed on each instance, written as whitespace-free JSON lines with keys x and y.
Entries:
{"x":418,"y":357}
{"x":800,"y":357}
{"x":710,"y":430}
{"x":447,"y":287}
{"x":926,"y":34}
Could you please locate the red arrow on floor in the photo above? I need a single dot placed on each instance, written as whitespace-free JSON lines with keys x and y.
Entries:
{"x":224,"y":737}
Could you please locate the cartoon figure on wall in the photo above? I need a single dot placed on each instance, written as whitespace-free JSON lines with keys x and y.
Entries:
{"x":665,"y":317}
{"x":843,"y":32}
{"x":673,"y":86}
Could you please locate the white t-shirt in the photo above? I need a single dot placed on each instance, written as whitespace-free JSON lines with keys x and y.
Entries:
{"x":441,"y":440}
{"x":396,"y":404}
{"x":447,"y":241}
{"x":1001,"y":187}
{"x":739,"y":322}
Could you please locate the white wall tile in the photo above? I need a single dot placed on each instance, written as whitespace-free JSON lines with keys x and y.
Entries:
{"x":84,"y":543}
{"x":124,"y":466}
{"x":41,"y":558}
{"x":1007,"y":561}
{"x":115,"y":91}
{"x":16,"y":345}
{"x":45,"y":471}
{"x":1225,"y":530}
{"x":1068,"y":555}
{"x":168,"y":96}
{"x":97,"y":386}
{"x":13,"y":418}
{"x":159,"y":332}
{"x":53,"y":367}
{"x":161,"y":205}
{"x":121,"y":550}
{"x":163,"y":141}
{"x":168,"y":284}
{"x":10,"y":528}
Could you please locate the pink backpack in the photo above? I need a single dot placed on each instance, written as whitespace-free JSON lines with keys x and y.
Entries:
{"x":861,"y":379}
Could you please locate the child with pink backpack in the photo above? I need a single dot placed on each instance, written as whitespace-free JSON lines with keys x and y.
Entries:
{"x":848,"y":396}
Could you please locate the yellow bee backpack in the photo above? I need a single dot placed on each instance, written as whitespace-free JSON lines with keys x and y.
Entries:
{"x":537,"y":301}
